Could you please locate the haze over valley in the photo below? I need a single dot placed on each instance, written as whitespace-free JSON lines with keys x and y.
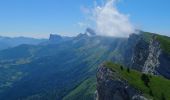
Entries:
{"x":84,"y":50}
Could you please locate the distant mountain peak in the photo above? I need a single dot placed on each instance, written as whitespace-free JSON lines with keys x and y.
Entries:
{"x":90,"y":32}
{"x":82,"y":35}
{"x":55,"y":37}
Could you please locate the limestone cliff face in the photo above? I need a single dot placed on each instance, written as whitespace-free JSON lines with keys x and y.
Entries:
{"x":149,"y":58}
{"x":164,"y":65}
{"x":152,"y":61}
{"x":111,"y":87}
{"x":146,"y":56}
{"x":140,"y":55}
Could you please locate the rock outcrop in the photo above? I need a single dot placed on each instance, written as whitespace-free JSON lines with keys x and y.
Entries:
{"x":152,"y":61}
{"x":140,"y":55}
{"x":148,"y":57}
{"x":111,"y":87}
{"x":164,"y":66}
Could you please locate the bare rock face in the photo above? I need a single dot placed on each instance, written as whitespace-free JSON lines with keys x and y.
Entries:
{"x":111,"y":87}
{"x":152,"y":61}
{"x":140,"y":55}
{"x":149,"y":58}
{"x":164,"y":66}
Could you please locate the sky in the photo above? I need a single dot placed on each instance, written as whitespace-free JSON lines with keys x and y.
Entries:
{"x":39,"y":18}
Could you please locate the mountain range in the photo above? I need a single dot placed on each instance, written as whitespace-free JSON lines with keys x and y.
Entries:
{"x":65,"y":68}
{"x":8,"y":42}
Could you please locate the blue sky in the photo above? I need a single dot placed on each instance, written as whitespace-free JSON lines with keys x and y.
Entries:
{"x":39,"y":18}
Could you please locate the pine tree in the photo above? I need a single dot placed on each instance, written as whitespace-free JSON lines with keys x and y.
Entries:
{"x":128,"y":70}
{"x":145,"y":79}
{"x":163,"y":97}
{"x":150,"y":92}
{"x":121,"y":67}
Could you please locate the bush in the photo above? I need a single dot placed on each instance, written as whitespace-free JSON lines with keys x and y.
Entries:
{"x":121,"y":67}
{"x":145,"y":79}
{"x":163,"y":97}
{"x":128,"y":70}
{"x":150,"y":92}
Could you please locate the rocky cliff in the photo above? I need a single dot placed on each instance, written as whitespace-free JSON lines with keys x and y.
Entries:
{"x":148,"y":57}
{"x":152,"y":61}
{"x":110,"y":86}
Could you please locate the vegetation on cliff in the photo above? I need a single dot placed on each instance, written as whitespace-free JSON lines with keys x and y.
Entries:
{"x":157,"y":87}
{"x":165,"y":43}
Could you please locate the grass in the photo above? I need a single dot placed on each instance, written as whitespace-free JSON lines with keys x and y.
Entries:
{"x":165,"y":43}
{"x":158,"y":85}
{"x":147,"y":36}
{"x":85,"y":91}
{"x":164,"y":40}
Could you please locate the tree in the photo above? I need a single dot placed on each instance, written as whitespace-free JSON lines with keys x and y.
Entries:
{"x":128,"y":70}
{"x":150,"y":92}
{"x":145,"y":79}
{"x":163,"y":97}
{"x":121,"y":67}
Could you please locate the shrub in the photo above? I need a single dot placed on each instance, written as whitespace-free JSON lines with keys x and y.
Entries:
{"x":145,"y":79}
{"x":121,"y":67}
{"x":128,"y":70}
{"x":163,"y":97}
{"x":150,"y":92}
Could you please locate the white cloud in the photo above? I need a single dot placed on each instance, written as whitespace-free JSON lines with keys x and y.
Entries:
{"x":82,"y":24}
{"x":85,"y":10}
{"x":109,"y":21}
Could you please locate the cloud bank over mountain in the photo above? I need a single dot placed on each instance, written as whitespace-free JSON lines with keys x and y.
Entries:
{"x":108,"y":21}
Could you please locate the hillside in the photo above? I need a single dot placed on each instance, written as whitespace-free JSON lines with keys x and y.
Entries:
{"x":146,"y":78}
{"x":42,"y":67}
{"x":65,"y":67}
{"x":157,"y":86}
{"x":165,"y":43}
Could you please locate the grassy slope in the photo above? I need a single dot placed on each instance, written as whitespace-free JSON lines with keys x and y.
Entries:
{"x":158,"y":85}
{"x":165,"y":43}
{"x":164,"y":40}
{"x":81,"y":92}
{"x":147,"y":36}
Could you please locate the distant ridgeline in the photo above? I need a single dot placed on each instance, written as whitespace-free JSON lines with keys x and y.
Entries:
{"x":7,"y":42}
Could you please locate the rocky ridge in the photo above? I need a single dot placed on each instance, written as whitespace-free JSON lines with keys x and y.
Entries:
{"x":110,"y":86}
{"x":150,"y":58}
{"x":147,"y":57}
